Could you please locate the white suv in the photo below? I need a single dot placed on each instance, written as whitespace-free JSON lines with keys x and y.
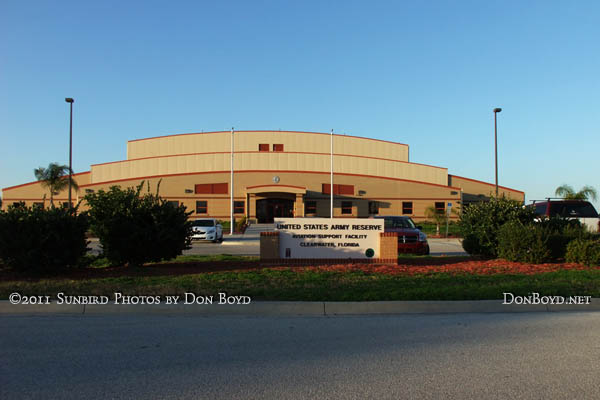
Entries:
{"x":207,"y":229}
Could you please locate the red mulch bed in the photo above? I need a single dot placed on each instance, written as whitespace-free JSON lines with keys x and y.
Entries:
{"x":478,"y":267}
{"x":408,"y":266}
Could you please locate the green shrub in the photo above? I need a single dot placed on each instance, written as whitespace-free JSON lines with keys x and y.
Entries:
{"x":524,"y":243}
{"x":560,"y":233}
{"x":584,"y":251}
{"x":241,"y":224}
{"x":42,"y":240}
{"x":480,"y":222}
{"x":134,"y":229}
{"x":540,"y":241}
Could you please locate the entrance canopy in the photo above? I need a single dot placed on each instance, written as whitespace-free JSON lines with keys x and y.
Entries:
{"x":276,"y":188}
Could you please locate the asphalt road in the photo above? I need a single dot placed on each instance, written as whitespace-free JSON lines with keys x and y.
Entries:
{"x":457,"y":356}
{"x":239,"y":245}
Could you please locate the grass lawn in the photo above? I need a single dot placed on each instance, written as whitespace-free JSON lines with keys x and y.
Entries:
{"x":465,"y":280}
{"x":429,"y":228}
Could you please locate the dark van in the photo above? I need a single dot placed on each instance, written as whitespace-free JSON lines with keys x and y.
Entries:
{"x":581,"y":210}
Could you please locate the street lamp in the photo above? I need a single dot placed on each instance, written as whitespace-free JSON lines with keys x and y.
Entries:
{"x":496,"y":111}
{"x":70,"y":101}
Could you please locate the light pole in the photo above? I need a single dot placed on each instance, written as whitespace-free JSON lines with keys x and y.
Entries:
{"x":496,"y":111}
{"x":331,"y":178}
{"x":231,"y":190}
{"x":70,"y":101}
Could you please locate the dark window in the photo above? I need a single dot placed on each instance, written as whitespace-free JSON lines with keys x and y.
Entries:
{"x":238,"y":207}
{"x":346,"y":207}
{"x":580,"y":209}
{"x":211,"y":188}
{"x":263,"y":147}
{"x":174,"y":203}
{"x":310,"y":207}
{"x":38,"y":205}
{"x":407,"y":207}
{"x":374,"y":207}
{"x":398,"y":223}
{"x":277,"y":147}
{"x":540,"y":209}
{"x":337,"y":189}
{"x":440,"y":207}
{"x":65,"y":204}
{"x":202,"y":207}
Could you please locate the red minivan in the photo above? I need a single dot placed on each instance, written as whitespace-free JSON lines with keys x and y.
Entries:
{"x":410,"y":237}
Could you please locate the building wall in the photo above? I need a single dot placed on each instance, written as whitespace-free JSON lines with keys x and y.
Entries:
{"x":34,"y":192}
{"x":377,"y":171}
{"x":477,"y":190}
{"x":249,"y":140}
{"x":257,"y":161}
{"x":389,"y":193}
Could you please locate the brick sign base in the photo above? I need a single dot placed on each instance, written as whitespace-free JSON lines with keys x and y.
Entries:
{"x":269,"y":252}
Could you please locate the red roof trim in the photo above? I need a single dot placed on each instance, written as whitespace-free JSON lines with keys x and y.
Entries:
{"x":34,"y":182}
{"x":487,"y":183}
{"x":313,"y":133}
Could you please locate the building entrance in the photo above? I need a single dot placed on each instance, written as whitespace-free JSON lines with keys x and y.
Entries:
{"x":267,"y":209}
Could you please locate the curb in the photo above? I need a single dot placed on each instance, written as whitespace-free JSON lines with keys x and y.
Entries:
{"x":291,"y":308}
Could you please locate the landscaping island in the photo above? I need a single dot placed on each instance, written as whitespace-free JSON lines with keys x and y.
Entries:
{"x":414,"y":278}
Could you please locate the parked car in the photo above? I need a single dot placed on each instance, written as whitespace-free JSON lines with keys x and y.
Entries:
{"x":410,"y":237}
{"x":207,"y":229}
{"x":581,"y":210}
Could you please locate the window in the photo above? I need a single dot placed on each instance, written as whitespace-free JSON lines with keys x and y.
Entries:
{"x":263,"y":147}
{"x":174,"y":203}
{"x":337,"y":189}
{"x":346,"y":207}
{"x":211,"y":188}
{"x":238,"y":207}
{"x":540,"y":209}
{"x":277,"y":147}
{"x":202,"y":207}
{"x":65,"y":204}
{"x":440,"y":207}
{"x":407,"y":207}
{"x":310,"y":207}
{"x":373,"y":207}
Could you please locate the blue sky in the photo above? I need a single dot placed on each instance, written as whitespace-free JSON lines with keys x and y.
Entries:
{"x":423,"y":73}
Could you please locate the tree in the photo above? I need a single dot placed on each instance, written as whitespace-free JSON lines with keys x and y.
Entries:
{"x":134,"y":229}
{"x":42,"y":240}
{"x":55,"y":178}
{"x":479,"y":223}
{"x":567,"y":192}
{"x":439,"y":217}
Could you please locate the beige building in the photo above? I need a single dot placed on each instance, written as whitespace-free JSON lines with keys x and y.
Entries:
{"x":276,"y":174}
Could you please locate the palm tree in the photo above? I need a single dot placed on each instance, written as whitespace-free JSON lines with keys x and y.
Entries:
{"x":567,"y":192}
{"x":55,"y":178}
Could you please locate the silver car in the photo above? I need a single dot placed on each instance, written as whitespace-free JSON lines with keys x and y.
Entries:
{"x":207,"y":229}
